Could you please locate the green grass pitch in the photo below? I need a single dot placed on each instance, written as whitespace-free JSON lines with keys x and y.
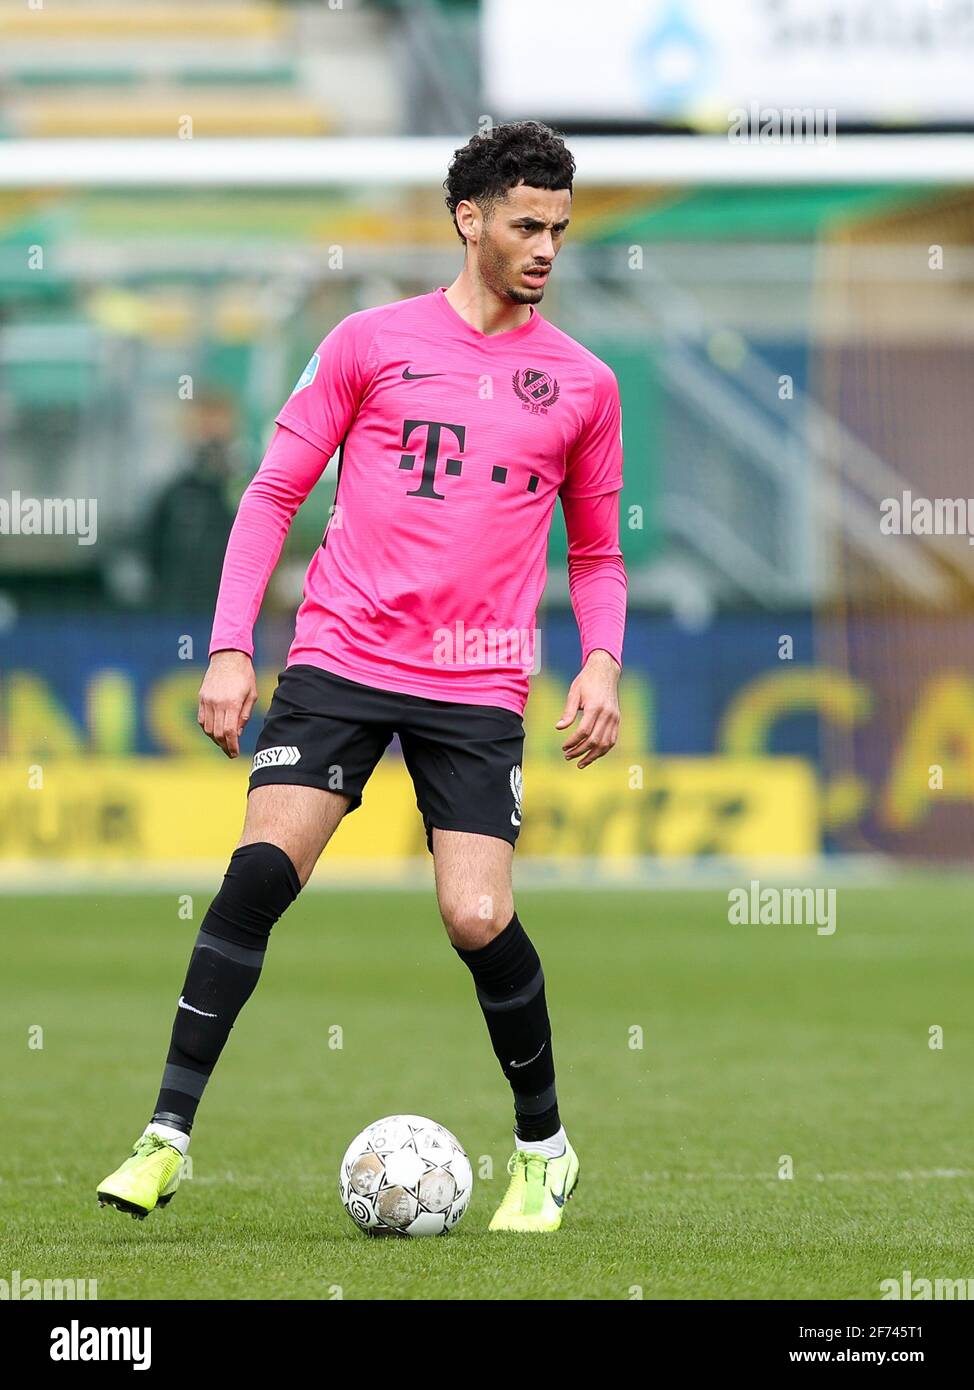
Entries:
{"x":757,"y":1042}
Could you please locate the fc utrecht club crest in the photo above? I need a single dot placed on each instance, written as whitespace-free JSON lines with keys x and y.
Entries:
{"x":536,"y":390}
{"x":517,"y":788}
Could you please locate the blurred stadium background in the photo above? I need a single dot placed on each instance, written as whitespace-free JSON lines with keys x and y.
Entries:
{"x":191,"y":195}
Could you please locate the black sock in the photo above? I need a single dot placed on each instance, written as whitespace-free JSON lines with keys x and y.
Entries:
{"x":223,"y":970}
{"x":510,"y":987}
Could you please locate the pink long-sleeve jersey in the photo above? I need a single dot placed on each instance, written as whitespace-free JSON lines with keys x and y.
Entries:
{"x":454,"y":445}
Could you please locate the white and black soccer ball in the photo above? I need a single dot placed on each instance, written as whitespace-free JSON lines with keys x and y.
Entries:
{"x":406,"y":1176}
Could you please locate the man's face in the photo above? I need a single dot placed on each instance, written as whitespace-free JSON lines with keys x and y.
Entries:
{"x":518,"y":245}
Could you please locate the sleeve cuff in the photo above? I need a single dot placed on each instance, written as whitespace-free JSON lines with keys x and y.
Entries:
{"x":230,"y":644}
{"x":598,"y":647}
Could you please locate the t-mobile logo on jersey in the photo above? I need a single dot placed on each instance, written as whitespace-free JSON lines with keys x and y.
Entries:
{"x":453,"y":467}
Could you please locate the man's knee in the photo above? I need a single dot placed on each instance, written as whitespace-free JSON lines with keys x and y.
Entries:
{"x":259,"y":885}
{"x":301,"y":858}
{"x":473,"y":922}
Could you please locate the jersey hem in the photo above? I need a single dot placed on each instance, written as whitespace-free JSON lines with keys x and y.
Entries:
{"x":404,"y":685}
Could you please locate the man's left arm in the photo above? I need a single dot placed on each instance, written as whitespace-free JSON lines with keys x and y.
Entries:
{"x":596,"y":577}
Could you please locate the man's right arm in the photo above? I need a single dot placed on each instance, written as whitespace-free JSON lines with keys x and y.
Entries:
{"x":288,"y":472}
{"x":314,"y":420}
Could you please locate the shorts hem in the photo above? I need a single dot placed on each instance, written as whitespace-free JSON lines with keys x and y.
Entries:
{"x":271,"y":777}
{"x":468,"y":827}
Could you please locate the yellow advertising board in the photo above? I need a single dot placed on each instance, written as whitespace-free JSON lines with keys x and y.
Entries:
{"x":154,"y":811}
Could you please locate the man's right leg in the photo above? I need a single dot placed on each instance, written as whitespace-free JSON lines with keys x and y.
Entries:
{"x":285,"y":831}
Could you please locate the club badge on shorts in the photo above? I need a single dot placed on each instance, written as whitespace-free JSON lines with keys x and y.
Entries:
{"x":517,"y":787}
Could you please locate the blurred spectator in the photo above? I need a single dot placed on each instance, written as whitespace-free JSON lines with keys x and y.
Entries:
{"x":188,"y":526}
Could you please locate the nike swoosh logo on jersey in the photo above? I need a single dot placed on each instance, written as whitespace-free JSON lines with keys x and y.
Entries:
{"x":184,"y":1005}
{"x":417,"y":376}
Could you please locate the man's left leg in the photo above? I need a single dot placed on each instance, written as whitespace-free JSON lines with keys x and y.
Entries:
{"x":473,"y":886}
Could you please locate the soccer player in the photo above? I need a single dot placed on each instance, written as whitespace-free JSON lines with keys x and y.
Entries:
{"x":460,"y":416}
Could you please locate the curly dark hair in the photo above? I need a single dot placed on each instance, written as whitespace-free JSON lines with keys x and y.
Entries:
{"x":491,"y":164}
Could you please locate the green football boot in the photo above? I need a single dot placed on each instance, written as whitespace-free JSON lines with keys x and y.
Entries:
{"x":538,"y":1191}
{"x":147,"y":1179}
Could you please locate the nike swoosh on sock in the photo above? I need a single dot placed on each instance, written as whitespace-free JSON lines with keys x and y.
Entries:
{"x":184,"y":1005}
{"x":530,"y":1059}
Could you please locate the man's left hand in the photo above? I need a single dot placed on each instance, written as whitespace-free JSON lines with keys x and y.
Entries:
{"x":594,"y":692}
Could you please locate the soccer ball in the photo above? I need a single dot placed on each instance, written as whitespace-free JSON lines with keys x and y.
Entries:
{"x":405,"y":1176}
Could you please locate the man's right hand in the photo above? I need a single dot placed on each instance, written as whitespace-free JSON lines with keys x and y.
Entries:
{"x":227,"y":697}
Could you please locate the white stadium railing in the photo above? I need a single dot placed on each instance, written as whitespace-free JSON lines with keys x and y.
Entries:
{"x":421,"y":161}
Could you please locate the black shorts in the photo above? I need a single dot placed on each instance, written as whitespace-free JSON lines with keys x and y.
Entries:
{"x":465,"y":760}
